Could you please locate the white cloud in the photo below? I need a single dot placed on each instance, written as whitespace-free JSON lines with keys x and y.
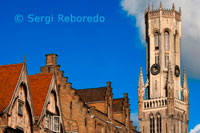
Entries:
{"x":190,"y":45}
{"x":196,"y":129}
{"x":134,"y":118}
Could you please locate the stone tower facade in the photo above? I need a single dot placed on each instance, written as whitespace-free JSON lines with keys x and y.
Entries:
{"x":163,"y":105}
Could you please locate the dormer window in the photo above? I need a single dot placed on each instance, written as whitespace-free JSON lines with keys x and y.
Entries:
{"x":20,"y":107}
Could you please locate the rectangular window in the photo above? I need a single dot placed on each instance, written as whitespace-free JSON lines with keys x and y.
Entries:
{"x":20,"y":107}
{"x":156,"y":85}
{"x":156,"y":36}
{"x":166,"y":61}
{"x":70,"y":106}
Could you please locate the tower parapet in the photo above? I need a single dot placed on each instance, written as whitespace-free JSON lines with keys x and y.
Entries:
{"x":163,"y":12}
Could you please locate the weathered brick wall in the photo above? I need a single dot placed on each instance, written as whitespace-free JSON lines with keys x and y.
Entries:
{"x":118,"y":117}
{"x":73,"y":110}
{"x":99,"y":106}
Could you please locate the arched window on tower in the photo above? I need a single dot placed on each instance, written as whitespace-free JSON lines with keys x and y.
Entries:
{"x":166,"y":41}
{"x":175,"y":42}
{"x":152,"y":124}
{"x":156,"y":37}
{"x":159,"y":124}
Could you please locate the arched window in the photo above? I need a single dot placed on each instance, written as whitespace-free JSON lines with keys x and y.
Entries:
{"x":166,"y":36}
{"x":175,"y":42}
{"x":159,"y":124}
{"x":156,"y":36}
{"x":152,"y":124}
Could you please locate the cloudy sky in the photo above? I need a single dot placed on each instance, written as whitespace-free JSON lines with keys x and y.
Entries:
{"x":190,"y":43}
{"x":190,"y":27}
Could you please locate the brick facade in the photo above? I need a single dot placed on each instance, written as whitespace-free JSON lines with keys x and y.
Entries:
{"x":47,"y":102}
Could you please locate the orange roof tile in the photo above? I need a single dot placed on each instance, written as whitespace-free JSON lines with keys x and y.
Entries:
{"x":9,"y":75}
{"x":39,"y":84}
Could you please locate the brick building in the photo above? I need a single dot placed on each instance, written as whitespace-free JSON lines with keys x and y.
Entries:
{"x":46,"y":102}
{"x":90,"y":110}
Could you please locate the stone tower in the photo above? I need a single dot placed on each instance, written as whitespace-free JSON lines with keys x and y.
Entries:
{"x":163,"y":105}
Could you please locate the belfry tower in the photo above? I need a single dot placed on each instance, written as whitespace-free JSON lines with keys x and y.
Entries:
{"x":163,"y":105}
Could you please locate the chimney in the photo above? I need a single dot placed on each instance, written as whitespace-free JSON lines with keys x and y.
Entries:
{"x":108,"y":84}
{"x":51,"y":59}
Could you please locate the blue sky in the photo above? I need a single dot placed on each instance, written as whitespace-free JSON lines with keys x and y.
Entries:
{"x":89,"y":53}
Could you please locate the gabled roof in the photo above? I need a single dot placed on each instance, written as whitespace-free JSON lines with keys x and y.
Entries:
{"x":9,"y":75}
{"x":118,"y":105}
{"x":92,"y":94}
{"x":39,"y":85}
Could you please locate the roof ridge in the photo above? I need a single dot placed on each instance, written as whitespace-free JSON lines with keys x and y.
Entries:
{"x":41,"y":74}
{"x":117,"y":98}
{"x":92,"y":88}
{"x":11,"y":64}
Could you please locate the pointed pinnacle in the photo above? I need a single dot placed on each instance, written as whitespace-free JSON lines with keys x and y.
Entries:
{"x":24,"y":59}
{"x":180,"y":10}
{"x":160,"y":5}
{"x":148,"y":8}
{"x":173,"y":6}
{"x":141,"y":81}
{"x":185,"y":84}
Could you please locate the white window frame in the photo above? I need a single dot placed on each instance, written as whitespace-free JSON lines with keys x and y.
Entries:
{"x":56,"y":123}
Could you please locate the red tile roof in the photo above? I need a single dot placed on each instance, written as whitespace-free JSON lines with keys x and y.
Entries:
{"x":39,"y":84}
{"x":9,"y":75}
{"x":92,"y":95}
{"x":118,"y":105}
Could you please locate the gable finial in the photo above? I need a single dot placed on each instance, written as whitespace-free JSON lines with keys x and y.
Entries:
{"x":25,"y":59}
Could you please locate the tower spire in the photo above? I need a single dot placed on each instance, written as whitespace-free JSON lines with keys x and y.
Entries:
{"x":173,"y":6}
{"x":141,"y":80}
{"x":148,"y":8}
{"x":160,"y":5}
{"x":180,"y":10}
{"x":185,"y":84}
